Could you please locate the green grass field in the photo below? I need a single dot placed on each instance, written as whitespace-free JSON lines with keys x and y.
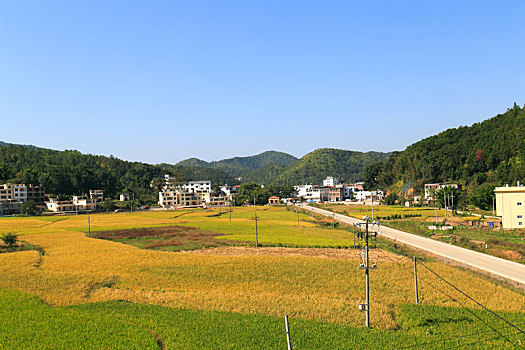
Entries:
{"x":26,"y":322}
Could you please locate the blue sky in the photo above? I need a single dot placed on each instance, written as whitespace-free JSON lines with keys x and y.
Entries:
{"x":161,"y":81}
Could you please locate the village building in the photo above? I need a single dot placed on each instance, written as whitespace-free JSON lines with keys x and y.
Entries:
{"x":96,"y":195}
{"x":12,"y":196}
{"x":510,"y":205}
{"x":335,"y":194}
{"x":75,"y":204}
{"x":273,"y":200}
{"x":430,"y":189}
{"x":330,"y":181}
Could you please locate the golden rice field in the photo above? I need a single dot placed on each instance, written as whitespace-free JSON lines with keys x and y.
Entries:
{"x":308,"y":283}
{"x":358,"y":211}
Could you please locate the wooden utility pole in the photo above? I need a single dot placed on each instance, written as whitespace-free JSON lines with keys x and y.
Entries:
{"x":415,"y":280}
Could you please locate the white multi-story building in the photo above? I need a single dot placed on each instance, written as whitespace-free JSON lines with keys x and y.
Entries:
{"x":12,"y":196}
{"x":197,"y":186}
{"x":192,"y":186}
{"x":330,"y":181}
{"x":368,"y":195}
{"x":312,"y":193}
{"x":75,"y":204}
{"x":430,"y":189}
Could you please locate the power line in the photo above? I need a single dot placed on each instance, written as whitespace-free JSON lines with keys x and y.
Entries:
{"x":470,"y":311}
{"x":469,"y":297}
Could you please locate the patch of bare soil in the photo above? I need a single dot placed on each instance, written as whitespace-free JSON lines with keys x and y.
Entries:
{"x":350,"y":254}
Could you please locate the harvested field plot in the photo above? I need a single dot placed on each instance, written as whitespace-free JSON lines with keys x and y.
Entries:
{"x":169,"y":238}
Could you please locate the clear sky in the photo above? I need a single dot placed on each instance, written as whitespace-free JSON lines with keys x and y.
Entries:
{"x":161,"y":81}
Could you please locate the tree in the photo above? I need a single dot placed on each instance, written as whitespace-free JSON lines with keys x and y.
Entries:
{"x":481,"y":196}
{"x":10,"y":239}
{"x":390,"y":199}
{"x":28,"y":208}
{"x":108,"y":205}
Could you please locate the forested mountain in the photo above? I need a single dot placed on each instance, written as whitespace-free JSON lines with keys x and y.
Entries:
{"x":242,"y":166}
{"x":345,"y":165}
{"x":71,"y":172}
{"x":491,"y":152}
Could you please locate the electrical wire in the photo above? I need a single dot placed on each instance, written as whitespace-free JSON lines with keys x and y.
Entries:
{"x":472,"y":312}
{"x":469,"y":297}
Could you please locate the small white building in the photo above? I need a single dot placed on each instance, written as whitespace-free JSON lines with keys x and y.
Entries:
{"x":330,"y":181}
{"x":430,"y":189}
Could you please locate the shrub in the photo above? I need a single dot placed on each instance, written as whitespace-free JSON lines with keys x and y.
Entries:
{"x":9,"y":239}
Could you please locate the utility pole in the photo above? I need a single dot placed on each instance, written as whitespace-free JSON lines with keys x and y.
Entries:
{"x":415,"y":280}
{"x":256,"y":237}
{"x":445,"y":202}
{"x":333,"y":221}
{"x":372,"y":206}
{"x":436,"y":211}
{"x":493,"y":205}
{"x":452,"y":203}
{"x":89,"y":227}
{"x":230,"y":205}
{"x":366,"y":266}
{"x":297,"y":214}
{"x":254,"y":200}
{"x":287,"y":329}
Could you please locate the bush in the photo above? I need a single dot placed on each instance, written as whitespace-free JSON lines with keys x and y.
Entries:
{"x":10,"y":239}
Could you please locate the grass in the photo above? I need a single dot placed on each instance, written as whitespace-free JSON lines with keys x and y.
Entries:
{"x":26,"y":322}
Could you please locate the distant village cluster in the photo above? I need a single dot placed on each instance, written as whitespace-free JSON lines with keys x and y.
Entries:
{"x":508,"y":200}
{"x":199,"y":194}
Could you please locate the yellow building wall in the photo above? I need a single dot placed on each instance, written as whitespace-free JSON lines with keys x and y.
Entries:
{"x":510,"y":205}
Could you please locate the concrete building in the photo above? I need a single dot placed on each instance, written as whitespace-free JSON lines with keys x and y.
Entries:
{"x":510,"y":205}
{"x":335,"y":194}
{"x":430,"y":189}
{"x":273,"y":200}
{"x":330,"y":181}
{"x":75,"y":204}
{"x":312,"y":193}
{"x":36,"y":194}
{"x":96,"y":195}
{"x":124,"y":197}
{"x":12,"y":196}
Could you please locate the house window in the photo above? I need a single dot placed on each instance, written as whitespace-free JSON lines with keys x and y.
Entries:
{"x":519,"y":203}
{"x":520,"y":223}
{"x":520,"y":216}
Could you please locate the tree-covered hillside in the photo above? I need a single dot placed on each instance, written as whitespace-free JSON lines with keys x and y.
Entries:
{"x":345,"y":165}
{"x":71,"y":172}
{"x":242,"y":166}
{"x":492,"y":151}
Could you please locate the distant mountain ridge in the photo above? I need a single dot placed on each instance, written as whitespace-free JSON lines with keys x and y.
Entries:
{"x":345,"y":165}
{"x":242,"y":166}
{"x":278,"y":167}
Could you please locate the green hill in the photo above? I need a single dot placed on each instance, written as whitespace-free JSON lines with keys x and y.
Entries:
{"x":492,"y":152}
{"x":71,"y":172}
{"x":242,"y":166}
{"x":345,"y":165}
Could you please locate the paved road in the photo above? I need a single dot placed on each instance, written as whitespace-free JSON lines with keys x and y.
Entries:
{"x":501,"y":267}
